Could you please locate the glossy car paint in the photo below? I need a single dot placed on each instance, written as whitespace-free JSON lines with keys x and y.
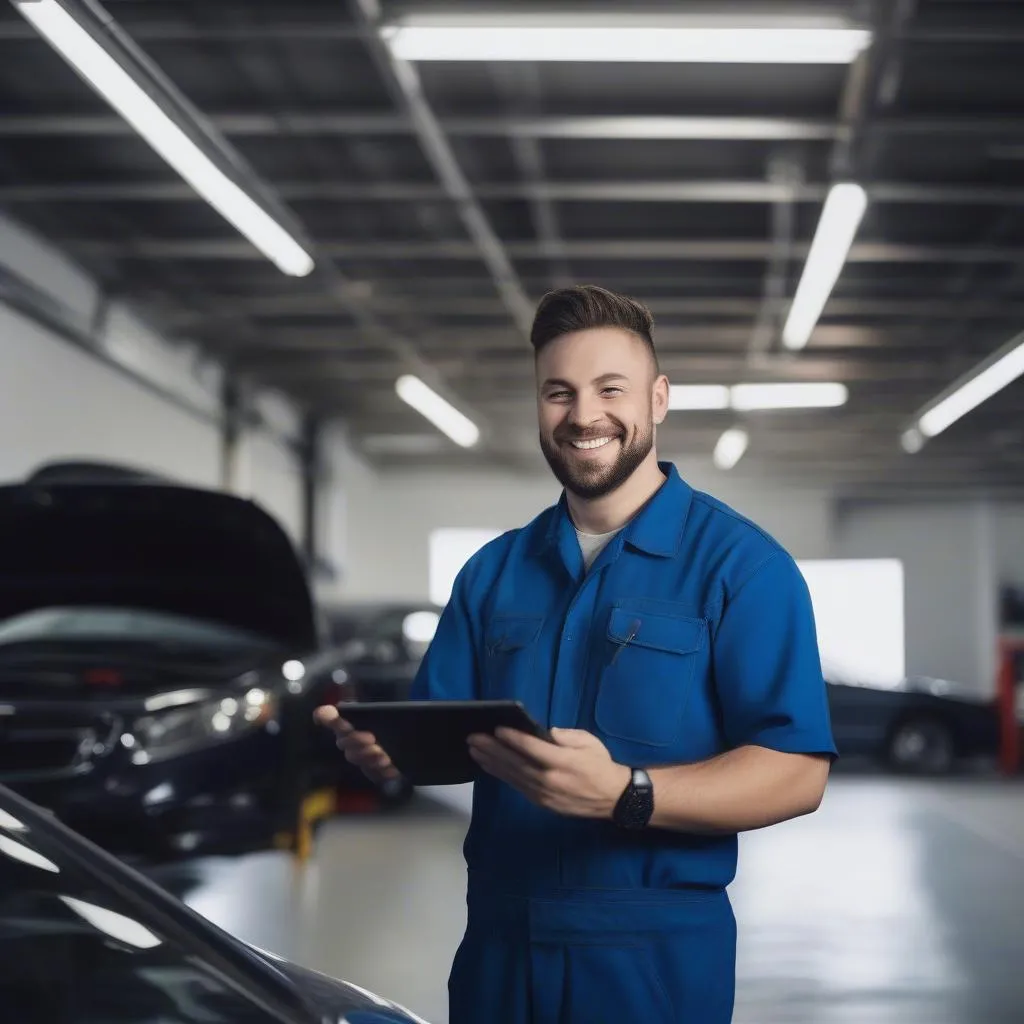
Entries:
{"x":127,"y":943}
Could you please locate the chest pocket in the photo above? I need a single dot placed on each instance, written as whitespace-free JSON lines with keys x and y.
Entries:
{"x":648,"y":675}
{"x":510,"y":648}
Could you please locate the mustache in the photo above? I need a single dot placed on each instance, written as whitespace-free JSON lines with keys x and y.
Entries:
{"x":589,"y":435}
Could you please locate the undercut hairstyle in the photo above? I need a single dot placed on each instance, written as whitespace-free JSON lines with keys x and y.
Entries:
{"x":586,"y":306}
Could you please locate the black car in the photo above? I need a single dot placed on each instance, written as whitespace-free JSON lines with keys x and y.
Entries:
{"x":153,"y":643}
{"x":372,"y":652}
{"x":86,"y":939}
{"x":923,"y":726}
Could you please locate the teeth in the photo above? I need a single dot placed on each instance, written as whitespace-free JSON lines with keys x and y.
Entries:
{"x":599,"y":442}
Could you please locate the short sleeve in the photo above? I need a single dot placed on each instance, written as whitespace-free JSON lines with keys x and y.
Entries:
{"x":449,"y":669}
{"x":768,"y":667}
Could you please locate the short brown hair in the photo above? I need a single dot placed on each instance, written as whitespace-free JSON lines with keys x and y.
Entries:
{"x":586,"y":306}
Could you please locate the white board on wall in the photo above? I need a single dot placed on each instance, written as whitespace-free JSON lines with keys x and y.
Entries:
{"x":450,"y":549}
{"x":859,"y":612}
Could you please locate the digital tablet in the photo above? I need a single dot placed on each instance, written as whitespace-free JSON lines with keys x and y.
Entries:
{"x":426,"y":739}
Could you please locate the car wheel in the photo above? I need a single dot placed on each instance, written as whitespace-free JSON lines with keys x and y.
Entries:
{"x":923,"y":746}
{"x":395,"y":792}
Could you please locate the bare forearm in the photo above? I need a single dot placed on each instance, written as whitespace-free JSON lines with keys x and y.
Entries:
{"x":747,"y":788}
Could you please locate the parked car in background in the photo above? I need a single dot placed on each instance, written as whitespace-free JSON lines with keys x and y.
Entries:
{"x":153,"y":640}
{"x":84,"y":938}
{"x":372,"y":653}
{"x":923,"y":726}
{"x":381,"y":644}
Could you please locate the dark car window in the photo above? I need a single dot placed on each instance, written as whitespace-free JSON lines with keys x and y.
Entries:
{"x":69,"y":954}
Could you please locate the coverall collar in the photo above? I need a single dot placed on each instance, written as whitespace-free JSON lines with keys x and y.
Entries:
{"x":657,"y":529}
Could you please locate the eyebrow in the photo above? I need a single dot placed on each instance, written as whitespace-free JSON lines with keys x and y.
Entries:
{"x":603,"y":379}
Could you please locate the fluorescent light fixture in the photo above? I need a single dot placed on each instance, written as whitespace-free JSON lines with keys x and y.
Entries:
{"x":698,"y":396}
{"x":753,"y":397}
{"x":1002,"y":368}
{"x":627,"y":41}
{"x":912,"y":440}
{"x":145,"y":115}
{"x":748,"y":397}
{"x":429,"y":404}
{"x":730,"y":447}
{"x":840,"y":218}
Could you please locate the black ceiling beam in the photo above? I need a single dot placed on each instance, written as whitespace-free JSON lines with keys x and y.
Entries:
{"x":681,"y":127}
{"x":403,"y":82}
{"x":165,"y":31}
{"x":665,"y":310}
{"x":673,"y":339}
{"x":705,"y":191}
{"x":626,"y":250}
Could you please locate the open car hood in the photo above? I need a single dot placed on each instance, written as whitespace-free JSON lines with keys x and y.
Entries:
{"x":162,"y":547}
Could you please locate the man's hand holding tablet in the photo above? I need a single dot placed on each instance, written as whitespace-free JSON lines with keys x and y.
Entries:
{"x":428,"y":743}
{"x":359,"y":748}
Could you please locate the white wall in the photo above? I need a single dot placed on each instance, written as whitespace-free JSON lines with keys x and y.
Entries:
{"x":1009,"y":543}
{"x":269,"y":473}
{"x":391,"y":516}
{"x":346,"y":501}
{"x":948,"y":553}
{"x":59,"y":403}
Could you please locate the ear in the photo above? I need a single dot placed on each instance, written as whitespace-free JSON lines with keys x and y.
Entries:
{"x":659,"y":399}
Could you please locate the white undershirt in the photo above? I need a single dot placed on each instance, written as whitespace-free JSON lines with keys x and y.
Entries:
{"x":592,"y":544}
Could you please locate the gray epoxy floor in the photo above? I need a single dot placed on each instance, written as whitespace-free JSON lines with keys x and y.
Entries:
{"x":899,"y":902}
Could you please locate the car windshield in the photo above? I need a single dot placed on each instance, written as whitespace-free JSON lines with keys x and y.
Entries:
{"x":75,"y":951}
{"x":55,"y":626}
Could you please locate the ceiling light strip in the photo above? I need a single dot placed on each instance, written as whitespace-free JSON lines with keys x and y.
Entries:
{"x":648,"y":44}
{"x":755,"y":397}
{"x":840,"y":218}
{"x":730,"y":448}
{"x":127,"y":96}
{"x":989,"y":377}
{"x":429,"y":404}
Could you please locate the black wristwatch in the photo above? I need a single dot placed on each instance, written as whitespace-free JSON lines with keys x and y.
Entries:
{"x":636,"y":805}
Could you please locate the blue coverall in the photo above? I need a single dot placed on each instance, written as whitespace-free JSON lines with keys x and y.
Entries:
{"x":575,"y":921}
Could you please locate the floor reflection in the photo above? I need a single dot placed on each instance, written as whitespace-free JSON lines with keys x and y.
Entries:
{"x":899,"y":902}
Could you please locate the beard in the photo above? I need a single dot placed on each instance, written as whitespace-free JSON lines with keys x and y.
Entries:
{"x":590,"y":480}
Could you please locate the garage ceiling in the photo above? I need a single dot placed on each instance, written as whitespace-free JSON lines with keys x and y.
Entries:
{"x":696,"y":188}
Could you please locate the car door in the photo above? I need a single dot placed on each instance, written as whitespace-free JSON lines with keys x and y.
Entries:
{"x":860,"y":718}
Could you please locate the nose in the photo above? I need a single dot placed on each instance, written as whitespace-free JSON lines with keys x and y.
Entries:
{"x":584,"y":411}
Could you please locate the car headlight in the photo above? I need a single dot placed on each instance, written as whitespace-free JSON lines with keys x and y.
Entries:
{"x":181,"y":729}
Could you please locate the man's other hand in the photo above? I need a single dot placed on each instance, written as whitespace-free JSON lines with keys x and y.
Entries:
{"x":359,"y":748}
{"x":574,"y":776}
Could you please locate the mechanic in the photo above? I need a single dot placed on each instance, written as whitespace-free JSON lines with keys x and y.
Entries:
{"x":670,"y":645}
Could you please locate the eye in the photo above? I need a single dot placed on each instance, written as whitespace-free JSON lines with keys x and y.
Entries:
{"x":611,"y":391}
{"x":558,"y":395}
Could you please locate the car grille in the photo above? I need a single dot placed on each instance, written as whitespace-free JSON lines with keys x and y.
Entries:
{"x":46,"y":743}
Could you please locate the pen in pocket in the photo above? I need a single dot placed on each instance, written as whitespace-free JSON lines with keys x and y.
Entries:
{"x":634,"y":628}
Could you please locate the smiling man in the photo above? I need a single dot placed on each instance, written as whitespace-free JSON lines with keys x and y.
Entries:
{"x":670,"y":645}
